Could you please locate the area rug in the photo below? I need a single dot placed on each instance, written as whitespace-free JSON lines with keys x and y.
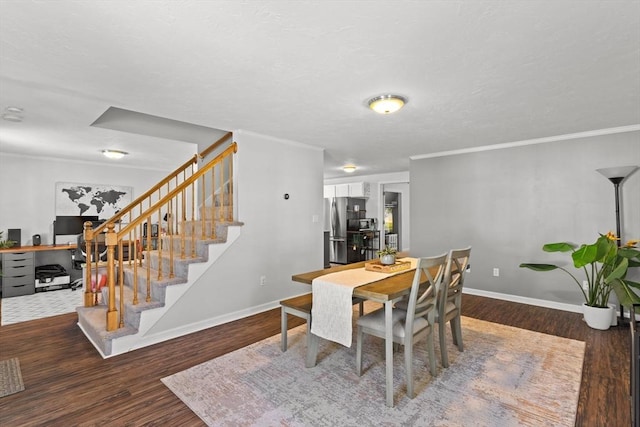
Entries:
{"x":10,"y":377}
{"x":40,"y":305}
{"x":505,"y":377}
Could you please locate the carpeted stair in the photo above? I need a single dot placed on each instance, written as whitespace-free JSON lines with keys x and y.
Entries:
{"x":92,"y":320}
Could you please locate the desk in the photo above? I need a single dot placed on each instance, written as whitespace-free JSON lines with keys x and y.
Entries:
{"x":39,"y":248}
{"x":19,"y":263}
{"x":385,"y":291}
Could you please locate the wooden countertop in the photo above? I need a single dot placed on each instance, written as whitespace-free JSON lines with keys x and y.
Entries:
{"x":38,"y":248}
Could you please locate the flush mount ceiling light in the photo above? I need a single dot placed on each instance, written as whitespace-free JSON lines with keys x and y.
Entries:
{"x":12,"y":114}
{"x":114,"y":154}
{"x":387,"y":104}
{"x":12,"y":117}
{"x":349,"y":168}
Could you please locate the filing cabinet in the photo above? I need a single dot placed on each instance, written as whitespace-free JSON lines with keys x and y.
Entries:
{"x":18,"y":274}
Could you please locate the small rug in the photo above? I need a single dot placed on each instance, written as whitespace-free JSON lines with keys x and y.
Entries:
{"x":10,"y":377}
{"x":505,"y":377}
{"x":40,"y":305}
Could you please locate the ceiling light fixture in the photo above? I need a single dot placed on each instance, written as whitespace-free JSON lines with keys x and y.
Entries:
{"x":12,"y":117}
{"x":114,"y":154}
{"x":387,"y":104}
{"x":349,"y":168}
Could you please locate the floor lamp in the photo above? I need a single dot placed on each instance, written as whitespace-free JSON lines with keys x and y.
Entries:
{"x":616,"y":176}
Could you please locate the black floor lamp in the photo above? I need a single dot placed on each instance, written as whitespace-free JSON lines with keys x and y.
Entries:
{"x":616,"y":176}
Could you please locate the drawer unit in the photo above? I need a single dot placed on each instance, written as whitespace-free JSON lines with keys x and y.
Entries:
{"x":16,"y":286}
{"x":18,"y":274}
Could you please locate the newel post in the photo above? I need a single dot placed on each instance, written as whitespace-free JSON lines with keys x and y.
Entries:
{"x":89,"y":300}
{"x":112,"y":314}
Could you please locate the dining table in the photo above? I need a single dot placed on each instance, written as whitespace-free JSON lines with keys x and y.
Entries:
{"x":387,"y":290}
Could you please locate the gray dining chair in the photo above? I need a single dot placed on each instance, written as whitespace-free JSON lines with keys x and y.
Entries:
{"x":449,"y":307}
{"x":413,"y":324}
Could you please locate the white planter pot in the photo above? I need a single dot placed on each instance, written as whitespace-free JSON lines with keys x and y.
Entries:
{"x":596,"y":317}
{"x":388,"y":259}
{"x":614,"y":315}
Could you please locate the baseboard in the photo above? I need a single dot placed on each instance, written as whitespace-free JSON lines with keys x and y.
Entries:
{"x":530,"y":301}
{"x":197,"y":326}
{"x":524,"y":300}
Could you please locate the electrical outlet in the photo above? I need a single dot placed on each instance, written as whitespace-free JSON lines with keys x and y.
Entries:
{"x":496,"y":272}
{"x":585,"y":285}
{"x":263,"y":280}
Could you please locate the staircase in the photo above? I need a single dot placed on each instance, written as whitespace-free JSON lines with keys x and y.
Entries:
{"x":139,"y":318}
{"x":146,"y":276}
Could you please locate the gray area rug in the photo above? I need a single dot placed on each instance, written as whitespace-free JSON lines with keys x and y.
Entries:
{"x":10,"y":377}
{"x":505,"y":377}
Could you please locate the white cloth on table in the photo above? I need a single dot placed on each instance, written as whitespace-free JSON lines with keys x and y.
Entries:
{"x":332,"y":312}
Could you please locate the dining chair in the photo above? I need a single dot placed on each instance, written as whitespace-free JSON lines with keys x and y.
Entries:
{"x":410,"y":325}
{"x":449,"y":305}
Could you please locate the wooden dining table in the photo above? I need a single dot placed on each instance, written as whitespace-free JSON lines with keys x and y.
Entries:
{"x":385,"y":291}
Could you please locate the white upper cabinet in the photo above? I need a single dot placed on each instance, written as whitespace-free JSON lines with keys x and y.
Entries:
{"x":359,"y":189}
{"x":342,"y":190}
{"x":354,"y":189}
{"x":329,"y":191}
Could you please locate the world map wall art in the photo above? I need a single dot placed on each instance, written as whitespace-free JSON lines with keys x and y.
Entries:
{"x":74,"y":199}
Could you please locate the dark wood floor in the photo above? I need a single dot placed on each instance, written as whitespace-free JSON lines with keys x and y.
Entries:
{"x":69,"y":384}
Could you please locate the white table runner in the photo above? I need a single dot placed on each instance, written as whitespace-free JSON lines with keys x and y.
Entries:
{"x":331,"y":315}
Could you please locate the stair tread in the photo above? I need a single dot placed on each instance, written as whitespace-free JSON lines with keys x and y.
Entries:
{"x":94,"y":318}
{"x":165,"y":281}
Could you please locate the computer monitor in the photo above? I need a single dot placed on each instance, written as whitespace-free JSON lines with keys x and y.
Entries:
{"x":71,"y":225}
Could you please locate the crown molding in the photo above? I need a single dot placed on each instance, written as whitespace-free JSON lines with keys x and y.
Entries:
{"x":586,"y":134}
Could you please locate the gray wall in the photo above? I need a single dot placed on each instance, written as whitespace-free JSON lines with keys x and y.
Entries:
{"x":507,"y":203}
{"x":279,"y":238}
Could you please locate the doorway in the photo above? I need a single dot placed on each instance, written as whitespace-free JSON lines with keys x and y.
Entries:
{"x":395,"y":216}
{"x":391,"y":221}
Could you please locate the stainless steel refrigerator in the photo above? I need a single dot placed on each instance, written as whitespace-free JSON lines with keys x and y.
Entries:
{"x":338,"y":210}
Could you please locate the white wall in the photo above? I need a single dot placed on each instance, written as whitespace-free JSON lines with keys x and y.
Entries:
{"x":27,"y":186}
{"x":278,"y":239}
{"x":507,"y":203}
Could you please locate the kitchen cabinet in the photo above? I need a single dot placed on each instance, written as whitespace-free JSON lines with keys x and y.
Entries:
{"x":342,"y":190}
{"x":329,"y":191}
{"x":359,"y":189}
{"x":352,"y":189}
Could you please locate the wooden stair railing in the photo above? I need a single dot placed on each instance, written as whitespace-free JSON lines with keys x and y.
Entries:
{"x":161,"y":214}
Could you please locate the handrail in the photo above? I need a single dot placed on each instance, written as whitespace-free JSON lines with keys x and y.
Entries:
{"x":137,"y":201}
{"x":148,"y":208}
{"x":171,"y":176}
{"x":181,"y":187}
{"x":215,"y":145}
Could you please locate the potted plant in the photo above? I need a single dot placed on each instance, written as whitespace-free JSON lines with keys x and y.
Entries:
{"x":387,"y":255}
{"x":605,"y":266}
{"x":6,"y":243}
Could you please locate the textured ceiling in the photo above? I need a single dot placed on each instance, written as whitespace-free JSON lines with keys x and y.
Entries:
{"x":475,"y":73}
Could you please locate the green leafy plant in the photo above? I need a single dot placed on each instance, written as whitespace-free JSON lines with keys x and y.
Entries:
{"x":6,"y":243}
{"x":605,"y":266}
{"x":387,"y":251}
